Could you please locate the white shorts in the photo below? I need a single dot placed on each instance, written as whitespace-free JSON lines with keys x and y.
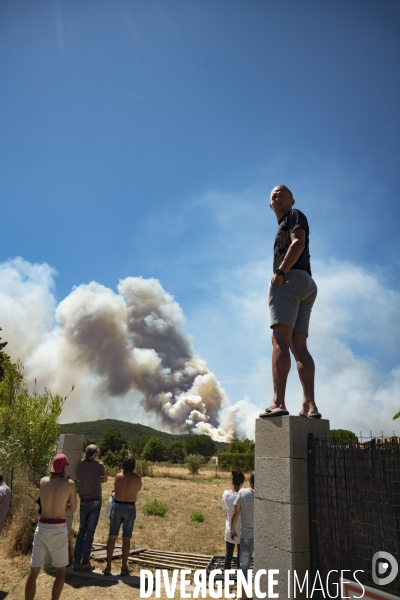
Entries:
{"x":54,"y":538}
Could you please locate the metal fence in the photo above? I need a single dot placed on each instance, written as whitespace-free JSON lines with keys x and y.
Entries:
{"x":354,"y":506}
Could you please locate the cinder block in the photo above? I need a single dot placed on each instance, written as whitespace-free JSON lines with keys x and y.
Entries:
{"x":269,"y":557}
{"x":69,"y":441}
{"x":282,"y":479}
{"x":283,"y":526}
{"x":72,"y":471}
{"x":286,"y":437}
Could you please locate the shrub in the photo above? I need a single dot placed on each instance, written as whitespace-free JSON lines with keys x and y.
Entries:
{"x":194,"y":462}
{"x":234,"y":460}
{"x":156,"y":508}
{"x":113,"y":460}
{"x":197,"y":516}
{"x":144,"y":469}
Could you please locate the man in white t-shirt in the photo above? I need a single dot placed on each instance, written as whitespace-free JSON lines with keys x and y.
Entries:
{"x":244,"y":507}
{"x":228,"y":500}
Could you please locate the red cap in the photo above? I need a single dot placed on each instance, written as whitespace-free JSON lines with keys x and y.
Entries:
{"x":59,"y":463}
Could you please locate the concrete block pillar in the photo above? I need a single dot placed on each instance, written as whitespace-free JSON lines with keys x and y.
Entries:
{"x":281,"y":519}
{"x":72,"y":446}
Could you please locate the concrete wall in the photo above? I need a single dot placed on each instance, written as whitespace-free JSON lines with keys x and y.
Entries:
{"x":72,"y":446}
{"x":281,"y":521}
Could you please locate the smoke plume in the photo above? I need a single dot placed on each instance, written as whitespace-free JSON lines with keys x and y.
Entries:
{"x":114,"y":343}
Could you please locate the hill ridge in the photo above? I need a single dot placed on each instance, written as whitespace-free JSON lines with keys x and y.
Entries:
{"x":94,"y":430}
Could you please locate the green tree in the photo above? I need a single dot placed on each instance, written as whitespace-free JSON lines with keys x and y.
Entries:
{"x":200,"y":444}
{"x":113,"y":441}
{"x":137,"y":446}
{"x":241,"y":446}
{"x":4,"y":359}
{"x":28,"y":422}
{"x":155,"y":450}
{"x":176,"y":452}
{"x":344,"y":436}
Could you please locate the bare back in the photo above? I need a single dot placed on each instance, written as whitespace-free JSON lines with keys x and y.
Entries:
{"x":57,"y":496}
{"x":127,"y":486}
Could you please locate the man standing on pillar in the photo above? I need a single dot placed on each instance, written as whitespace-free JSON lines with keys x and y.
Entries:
{"x":291,"y":296}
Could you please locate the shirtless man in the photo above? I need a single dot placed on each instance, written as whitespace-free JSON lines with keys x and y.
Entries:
{"x":57,"y":496}
{"x":127,"y":484}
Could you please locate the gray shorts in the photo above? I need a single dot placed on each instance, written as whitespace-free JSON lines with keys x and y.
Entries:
{"x":291,"y":304}
{"x":53,"y":538}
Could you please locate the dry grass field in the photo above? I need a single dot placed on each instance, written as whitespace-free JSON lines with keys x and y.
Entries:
{"x":174,"y":532}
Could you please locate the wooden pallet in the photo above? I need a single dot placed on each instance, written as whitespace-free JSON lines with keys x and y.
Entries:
{"x":101,"y":553}
{"x":170,"y":560}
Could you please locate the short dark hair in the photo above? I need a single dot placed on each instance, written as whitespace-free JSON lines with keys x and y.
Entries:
{"x":252,"y":477}
{"x":283,"y":187}
{"x":129,"y":464}
{"x":1,"y":478}
{"x":237,"y":477}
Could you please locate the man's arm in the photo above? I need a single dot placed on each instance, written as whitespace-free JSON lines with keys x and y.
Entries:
{"x":71,"y":504}
{"x":103,"y":476}
{"x":298,"y":237}
{"x":234,"y":520}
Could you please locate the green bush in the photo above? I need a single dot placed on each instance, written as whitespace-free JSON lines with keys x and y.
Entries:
{"x":194,"y":462}
{"x":144,"y":469}
{"x":233,"y":460}
{"x":155,"y":507}
{"x":114,"y":460}
{"x":197,"y":516}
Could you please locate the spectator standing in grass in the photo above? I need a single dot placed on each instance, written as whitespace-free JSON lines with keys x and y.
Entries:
{"x":5,"y":498}
{"x":91,"y":475}
{"x":57,"y":496}
{"x":127,"y":484}
{"x":244,"y":507}
{"x":228,"y":499}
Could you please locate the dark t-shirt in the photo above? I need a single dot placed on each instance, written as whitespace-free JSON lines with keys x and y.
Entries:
{"x":291,"y":221}
{"x":89,"y":475}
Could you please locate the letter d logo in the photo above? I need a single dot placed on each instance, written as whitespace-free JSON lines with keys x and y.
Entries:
{"x":384,"y":568}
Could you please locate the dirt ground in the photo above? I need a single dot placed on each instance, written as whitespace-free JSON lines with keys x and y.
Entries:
{"x":174,"y":532}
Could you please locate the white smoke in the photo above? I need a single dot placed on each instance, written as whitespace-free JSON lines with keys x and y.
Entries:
{"x":109,"y":344}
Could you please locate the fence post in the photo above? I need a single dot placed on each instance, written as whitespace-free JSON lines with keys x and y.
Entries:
{"x":281,"y":505}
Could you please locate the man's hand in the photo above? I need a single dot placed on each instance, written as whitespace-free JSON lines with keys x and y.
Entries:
{"x":278,"y":280}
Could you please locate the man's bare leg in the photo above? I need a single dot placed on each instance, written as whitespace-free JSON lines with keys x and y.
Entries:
{"x":30,"y":586}
{"x":110,"y":550}
{"x":126,"y":546}
{"x":306,"y":369}
{"x":281,"y":340}
{"x":58,"y":583}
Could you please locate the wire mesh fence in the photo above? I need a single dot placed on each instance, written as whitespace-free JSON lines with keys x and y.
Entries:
{"x":354,"y":506}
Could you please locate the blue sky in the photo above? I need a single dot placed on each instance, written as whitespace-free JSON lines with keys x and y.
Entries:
{"x":143,"y":138}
